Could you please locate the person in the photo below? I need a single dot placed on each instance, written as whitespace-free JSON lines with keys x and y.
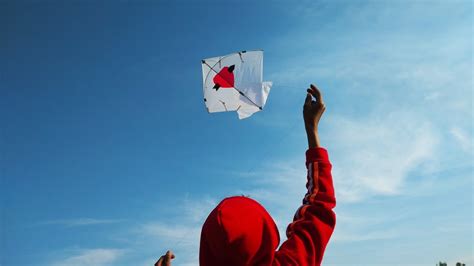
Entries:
{"x":239,"y":231}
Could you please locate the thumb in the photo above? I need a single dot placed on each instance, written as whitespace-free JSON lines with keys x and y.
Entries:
{"x":317,"y":93}
{"x":308,"y":99}
{"x":169,"y":256}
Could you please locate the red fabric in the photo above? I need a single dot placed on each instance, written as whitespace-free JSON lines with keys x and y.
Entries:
{"x":239,"y":231}
{"x":225,"y":78}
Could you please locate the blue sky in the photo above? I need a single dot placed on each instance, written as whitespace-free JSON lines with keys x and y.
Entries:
{"x":109,"y":157}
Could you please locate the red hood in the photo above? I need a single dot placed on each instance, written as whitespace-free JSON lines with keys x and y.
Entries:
{"x":239,"y":231}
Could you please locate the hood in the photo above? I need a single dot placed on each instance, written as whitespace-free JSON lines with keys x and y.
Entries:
{"x":239,"y":231}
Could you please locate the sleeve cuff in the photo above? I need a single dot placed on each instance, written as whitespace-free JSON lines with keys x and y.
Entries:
{"x":317,"y":155}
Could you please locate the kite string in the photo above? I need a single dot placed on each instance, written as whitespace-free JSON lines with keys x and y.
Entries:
{"x":271,"y":143}
{"x":179,"y":242}
{"x":285,"y":135}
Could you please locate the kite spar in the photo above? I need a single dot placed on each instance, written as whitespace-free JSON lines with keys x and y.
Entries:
{"x":234,"y":83}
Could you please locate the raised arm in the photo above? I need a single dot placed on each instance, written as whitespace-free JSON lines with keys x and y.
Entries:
{"x":314,"y":221}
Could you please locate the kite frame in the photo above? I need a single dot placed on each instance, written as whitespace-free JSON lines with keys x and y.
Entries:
{"x":203,"y":61}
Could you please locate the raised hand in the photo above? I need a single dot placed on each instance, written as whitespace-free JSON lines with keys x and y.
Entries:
{"x":312,"y":112}
{"x":165,"y":260}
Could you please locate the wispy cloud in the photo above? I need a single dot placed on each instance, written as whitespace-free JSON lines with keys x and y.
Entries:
{"x":80,"y":222}
{"x":176,"y":233}
{"x":195,"y":210}
{"x":462,"y":137}
{"x":391,"y":97}
{"x":341,"y":236}
{"x":147,"y":239}
{"x":182,"y":234}
{"x":183,"y":239}
{"x":91,"y":257}
{"x":374,"y":155}
{"x":371,"y":156}
{"x":393,"y":93}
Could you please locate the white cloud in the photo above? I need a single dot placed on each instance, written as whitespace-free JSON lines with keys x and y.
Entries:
{"x":81,"y":222}
{"x":148,"y":239}
{"x":366,"y":227}
{"x":280,"y":192}
{"x":341,"y":236}
{"x":394,"y":93}
{"x":197,"y":210}
{"x":172,"y":234}
{"x":371,"y":156}
{"x":462,"y":138}
{"x":374,"y":155}
{"x":91,"y":257}
{"x":182,"y":238}
{"x":181,"y":235}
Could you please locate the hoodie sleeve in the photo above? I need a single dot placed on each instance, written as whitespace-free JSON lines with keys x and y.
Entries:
{"x":315,"y":220}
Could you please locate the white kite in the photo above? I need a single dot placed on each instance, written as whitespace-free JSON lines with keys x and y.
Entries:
{"x":234,"y":83}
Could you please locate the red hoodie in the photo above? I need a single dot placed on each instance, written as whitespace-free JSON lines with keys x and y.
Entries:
{"x":239,"y":231}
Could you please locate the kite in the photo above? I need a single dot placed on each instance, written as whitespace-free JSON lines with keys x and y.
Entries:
{"x":234,"y":83}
